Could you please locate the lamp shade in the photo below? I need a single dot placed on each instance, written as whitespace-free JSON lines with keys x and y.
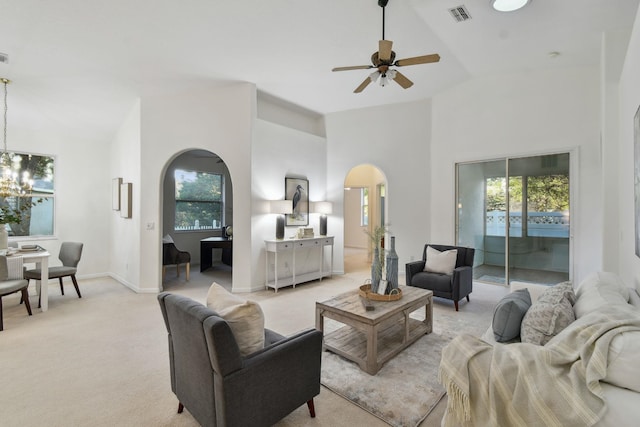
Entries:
{"x":323,"y":207}
{"x":281,"y":206}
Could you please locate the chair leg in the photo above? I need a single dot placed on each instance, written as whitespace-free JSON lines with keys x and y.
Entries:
{"x":180,"y":407}
{"x":1,"y":324}
{"x":25,"y":298}
{"x":188,"y":270}
{"x":312,"y":409}
{"x":61,"y":287}
{"x":468,"y":298}
{"x":455,"y":303}
{"x":75,"y":283}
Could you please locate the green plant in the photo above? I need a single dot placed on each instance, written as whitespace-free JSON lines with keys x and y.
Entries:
{"x":375,"y":237}
{"x":15,"y":215}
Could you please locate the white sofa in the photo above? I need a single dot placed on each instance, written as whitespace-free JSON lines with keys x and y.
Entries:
{"x":622,"y":384}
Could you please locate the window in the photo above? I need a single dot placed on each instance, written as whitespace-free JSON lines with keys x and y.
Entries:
{"x":38,"y":207}
{"x":199,"y":200}
{"x":364,"y":206}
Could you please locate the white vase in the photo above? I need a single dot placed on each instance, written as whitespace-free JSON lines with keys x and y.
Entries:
{"x":4,"y":237}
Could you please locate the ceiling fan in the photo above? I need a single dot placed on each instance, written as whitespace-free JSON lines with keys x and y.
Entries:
{"x":385,"y":58}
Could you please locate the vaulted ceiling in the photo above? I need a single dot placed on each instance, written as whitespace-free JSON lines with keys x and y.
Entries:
{"x":78,"y":65}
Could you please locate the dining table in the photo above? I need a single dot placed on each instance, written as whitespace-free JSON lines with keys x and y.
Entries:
{"x":39,"y":257}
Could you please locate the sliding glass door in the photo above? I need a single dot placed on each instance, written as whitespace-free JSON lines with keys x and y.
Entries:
{"x":515,"y":213}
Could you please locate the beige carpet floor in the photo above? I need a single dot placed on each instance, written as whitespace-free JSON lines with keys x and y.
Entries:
{"x":102,"y":360}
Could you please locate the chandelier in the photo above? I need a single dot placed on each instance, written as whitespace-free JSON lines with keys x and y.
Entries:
{"x":11,"y":183}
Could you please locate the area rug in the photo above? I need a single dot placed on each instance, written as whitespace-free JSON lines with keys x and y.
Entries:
{"x":402,"y":393}
{"x":406,"y":389}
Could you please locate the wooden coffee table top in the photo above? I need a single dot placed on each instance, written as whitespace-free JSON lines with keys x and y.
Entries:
{"x":351,"y":304}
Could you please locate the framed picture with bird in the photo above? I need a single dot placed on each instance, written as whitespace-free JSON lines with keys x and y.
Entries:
{"x":297,"y":190}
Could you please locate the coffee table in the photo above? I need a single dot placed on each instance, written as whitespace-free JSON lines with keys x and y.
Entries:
{"x":371,"y":338}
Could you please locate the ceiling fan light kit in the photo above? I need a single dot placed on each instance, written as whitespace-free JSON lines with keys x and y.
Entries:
{"x":509,"y":5}
{"x":385,"y":58}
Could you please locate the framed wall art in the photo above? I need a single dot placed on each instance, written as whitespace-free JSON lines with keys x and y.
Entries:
{"x":297,"y":190}
{"x":115,"y":193}
{"x":636,"y":177}
{"x":125,"y":200}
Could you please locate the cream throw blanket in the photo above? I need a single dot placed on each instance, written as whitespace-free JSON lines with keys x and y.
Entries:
{"x":529,"y":385}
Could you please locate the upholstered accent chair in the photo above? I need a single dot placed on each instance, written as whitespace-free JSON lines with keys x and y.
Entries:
{"x":171,"y":255}
{"x":454,"y":286}
{"x":10,"y":286}
{"x":221,"y":388}
{"x":69,"y":255}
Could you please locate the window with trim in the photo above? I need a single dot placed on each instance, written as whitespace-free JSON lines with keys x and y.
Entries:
{"x":199,"y":200}
{"x":364,"y":206}
{"x":36,"y":207}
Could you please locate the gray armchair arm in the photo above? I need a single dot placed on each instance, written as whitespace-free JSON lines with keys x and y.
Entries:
{"x":413,"y":268}
{"x":282,"y":374}
{"x":462,"y":282}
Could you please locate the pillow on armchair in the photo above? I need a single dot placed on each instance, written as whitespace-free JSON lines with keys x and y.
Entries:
{"x":245,"y":318}
{"x":440,"y":262}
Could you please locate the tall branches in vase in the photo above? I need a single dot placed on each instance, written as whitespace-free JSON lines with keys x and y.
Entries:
{"x":377,"y":265}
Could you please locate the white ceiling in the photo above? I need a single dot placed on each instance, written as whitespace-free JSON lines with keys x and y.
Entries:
{"x":78,"y":65}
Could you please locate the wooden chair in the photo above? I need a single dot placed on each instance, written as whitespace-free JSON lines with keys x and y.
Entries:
{"x":10,"y":286}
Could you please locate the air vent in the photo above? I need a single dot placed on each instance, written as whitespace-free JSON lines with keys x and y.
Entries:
{"x":4,"y":58}
{"x":460,"y":13}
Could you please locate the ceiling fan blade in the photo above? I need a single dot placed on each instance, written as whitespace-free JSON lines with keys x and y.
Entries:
{"x":402,"y":80}
{"x":364,"y":84}
{"x":354,"y":67}
{"x":384,"y":50}
{"x":425,"y":59}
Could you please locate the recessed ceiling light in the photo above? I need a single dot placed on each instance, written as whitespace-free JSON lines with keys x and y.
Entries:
{"x":508,"y":5}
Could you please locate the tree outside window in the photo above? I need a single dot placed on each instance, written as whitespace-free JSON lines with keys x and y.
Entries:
{"x":199,"y":200}
{"x":31,"y":214}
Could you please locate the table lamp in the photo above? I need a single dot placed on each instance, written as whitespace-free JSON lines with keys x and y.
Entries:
{"x":323,"y":208}
{"x":281,"y":207}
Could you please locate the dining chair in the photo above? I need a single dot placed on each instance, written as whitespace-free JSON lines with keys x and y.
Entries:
{"x":70,"y":253}
{"x":10,"y":286}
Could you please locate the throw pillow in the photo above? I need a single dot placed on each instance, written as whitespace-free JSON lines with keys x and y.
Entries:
{"x":508,"y":314}
{"x":167,"y":239}
{"x":245,"y":318}
{"x":440,"y":262}
{"x":600,"y":289}
{"x":549,"y":315}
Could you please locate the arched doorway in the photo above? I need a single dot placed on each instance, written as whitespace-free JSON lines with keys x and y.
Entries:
{"x":364,"y":209}
{"x":197,"y":203}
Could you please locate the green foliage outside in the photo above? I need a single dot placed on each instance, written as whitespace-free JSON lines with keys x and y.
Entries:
{"x":198,"y":198}
{"x":16,"y":211}
{"x":545,"y":193}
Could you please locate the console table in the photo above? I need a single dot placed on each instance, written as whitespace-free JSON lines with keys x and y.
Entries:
{"x":290,"y":246}
{"x":209,"y":243}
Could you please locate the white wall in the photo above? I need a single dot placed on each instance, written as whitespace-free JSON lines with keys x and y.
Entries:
{"x":522,"y":114}
{"x":123,"y":241}
{"x":214,"y":118}
{"x":629,"y":94}
{"x":395,"y":139}
{"x":83,"y":190}
{"x":280,"y":152}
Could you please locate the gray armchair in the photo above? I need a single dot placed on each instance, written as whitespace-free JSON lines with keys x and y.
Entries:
{"x":455,"y":286}
{"x":221,"y":388}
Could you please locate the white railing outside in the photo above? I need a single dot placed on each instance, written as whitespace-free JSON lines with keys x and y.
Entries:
{"x":539,"y":224}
